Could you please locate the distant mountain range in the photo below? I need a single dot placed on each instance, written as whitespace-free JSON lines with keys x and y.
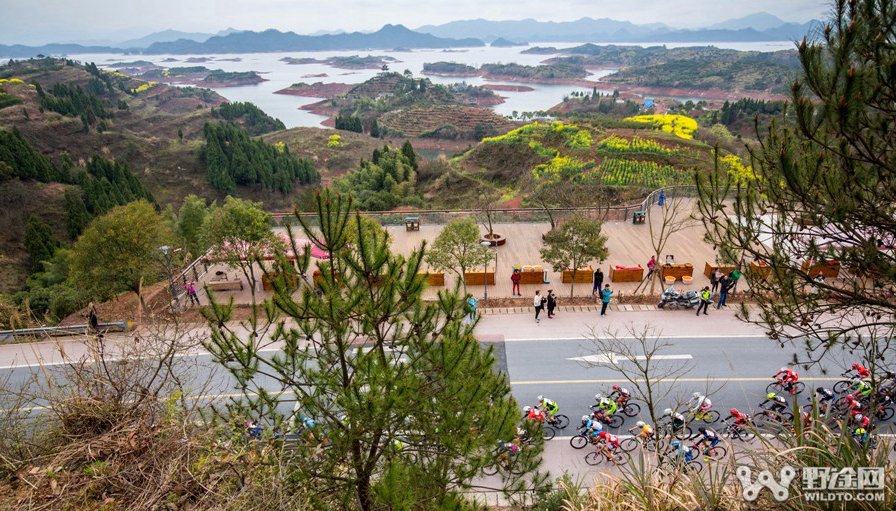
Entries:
{"x":386,"y":38}
{"x":756,"y":27}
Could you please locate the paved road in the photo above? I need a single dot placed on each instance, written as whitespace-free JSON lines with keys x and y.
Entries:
{"x":733,"y":371}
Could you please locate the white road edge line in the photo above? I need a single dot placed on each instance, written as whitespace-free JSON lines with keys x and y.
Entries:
{"x":717,"y":336}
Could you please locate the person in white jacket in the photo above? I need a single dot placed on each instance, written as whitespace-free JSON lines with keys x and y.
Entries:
{"x":538,"y":302}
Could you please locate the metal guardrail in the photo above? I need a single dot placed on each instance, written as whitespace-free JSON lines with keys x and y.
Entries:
{"x":51,"y":331}
{"x":193,"y":272}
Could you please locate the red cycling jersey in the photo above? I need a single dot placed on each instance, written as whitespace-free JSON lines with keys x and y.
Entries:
{"x":861,"y":370}
{"x":608,"y":438}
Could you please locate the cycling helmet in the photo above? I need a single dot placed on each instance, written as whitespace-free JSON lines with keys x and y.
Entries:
{"x":859,"y":416}
{"x":734,"y":411}
{"x":855,"y":365}
{"x":598,"y":397}
{"x":820,"y":390}
{"x":675,"y":443}
{"x":860,"y":431}
{"x":640,"y":424}
{"x":667,"y":411}
{"x":701,"y":429}
{"x":771,"y":395}
{"x":541,"y":398}
{"x":783,"y":369}
{"x":695,"y":395}
{"x":585,"y":418}
{"x":527,"y":408}
{"x":615,"y":387}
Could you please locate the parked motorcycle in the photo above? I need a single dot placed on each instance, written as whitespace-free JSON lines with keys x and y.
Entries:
{"x":672,"y":299}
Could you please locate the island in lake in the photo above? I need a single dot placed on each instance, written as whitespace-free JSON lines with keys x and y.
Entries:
{"x":350,"y":62}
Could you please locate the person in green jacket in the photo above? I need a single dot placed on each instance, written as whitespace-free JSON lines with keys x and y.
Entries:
{"x":705,"y":300}
{"x":605,"y":298}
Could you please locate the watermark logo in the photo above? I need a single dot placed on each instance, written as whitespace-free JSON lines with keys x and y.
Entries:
{"x":819,"y":484}
{"x":779,"y":489}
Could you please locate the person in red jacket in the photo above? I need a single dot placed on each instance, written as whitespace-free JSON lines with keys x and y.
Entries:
{"x":515,"y":279}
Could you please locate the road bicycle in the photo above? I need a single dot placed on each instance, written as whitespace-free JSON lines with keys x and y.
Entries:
{"x":503,"y":463}
{"x":779,"y":387}
{"x":716,"y":453}
{"x":650,"y":443}
{"x":612,"y":421}
{"x":706,"y":417}
{"x":844,"y":386}
{"x":580,"y":440}
{"x":738,"y":432}
{"x":558,"y":421}
{"x":771,"y":419}
{"x":603,"y":453}
{"x":678,"y":463}
{"x":665,"y":426}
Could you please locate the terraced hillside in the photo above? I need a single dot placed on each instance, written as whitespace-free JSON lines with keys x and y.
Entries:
{"x":537,"y":164}
{"x":445,"y":122}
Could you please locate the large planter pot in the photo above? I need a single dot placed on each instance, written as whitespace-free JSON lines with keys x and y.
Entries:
{"x":495,"y":240}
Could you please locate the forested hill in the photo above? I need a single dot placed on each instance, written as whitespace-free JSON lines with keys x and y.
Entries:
{"x":76,"y":140}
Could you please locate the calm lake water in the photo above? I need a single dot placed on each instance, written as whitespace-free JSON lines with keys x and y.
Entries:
{"x":281,"y":75}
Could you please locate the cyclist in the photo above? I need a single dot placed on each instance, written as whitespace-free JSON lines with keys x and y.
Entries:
{"x":532,"y":413}
{"x":507,"y":451}
{"x":645,"y":430}
{"x":861,"y":421}
{"x":861,"y":435}
{"x":253,"y":429}
{"x":861,"y":371}
{"x":606,"y":441}
{"x":680,"y":451}
{"x":549,"y":407}
{"x":825,"y":397}
{"x":775,"y":402}
{"x":608,"y":406}
{"x":677,"y":419}
{"x":620,"y":395}
{"x":861,"y":389}
{"x":853,"y":405}
{"x":787,"y":378}
{"x":709,"y":436}
{"x":701,"y":405}
{"x":593,"y":427}
{"x":740,"y":419}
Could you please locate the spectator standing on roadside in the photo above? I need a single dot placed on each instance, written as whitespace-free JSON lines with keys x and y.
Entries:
{"x":515,"y":279}
{"x":552,"y":303}
{"x":605,"y":295}
{"x":714,"y":279}
{"x":651,"y":266}
{"x":92,"y":319}
{"x":472,"y":303}
{"x":598,"y":281}
{"x":705,"y":300}
{"x":191,"y":292}
{"x":538,"y":302}
{"x":724,"y":287}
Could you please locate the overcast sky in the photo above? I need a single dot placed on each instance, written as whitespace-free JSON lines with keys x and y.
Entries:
{"x":41,"y":21}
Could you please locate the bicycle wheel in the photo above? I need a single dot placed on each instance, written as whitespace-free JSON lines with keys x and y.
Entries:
{"x":773,"y":387}
{"x":615,"y":421}
{"x":842,"y":386}
{"x":683,"y":432}
{"x":716,"y":453}
{"x":621,"y":458}
{"x":490,"y":470}
{"x":594,"y":458}
{"x":885,"y":414}
{"x":632,"y":409}
{"x":629,"y":444}
{"x":692,"y":467}
{"x":578,"y":441}
{"x":711,"y":417}
{"x":548,"y":432}
{"x":561,"y":421}
{"x":799,"y":387}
